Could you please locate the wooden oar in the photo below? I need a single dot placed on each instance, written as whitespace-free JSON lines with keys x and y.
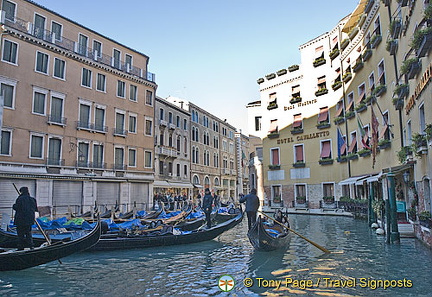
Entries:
{"x":291,"y":230}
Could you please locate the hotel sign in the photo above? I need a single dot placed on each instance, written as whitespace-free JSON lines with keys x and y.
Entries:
{"x":304,"y":137}
{"x":426,"y":77}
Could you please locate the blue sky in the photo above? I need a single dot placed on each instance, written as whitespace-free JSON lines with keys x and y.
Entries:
{"x":210,"y":52}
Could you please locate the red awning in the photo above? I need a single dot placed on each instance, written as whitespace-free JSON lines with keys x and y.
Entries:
{"x":361,"y":97}
{"x":339,"y":110}
{"x":325,"y":149}
{"x":273,"y":126}
{"x":352,"y":145}
{"x":349,"y":105}
{"x":323,"y":115}
{"x":297,"y":121}
{"x":299,"y":153}
{"x":383,"y":131}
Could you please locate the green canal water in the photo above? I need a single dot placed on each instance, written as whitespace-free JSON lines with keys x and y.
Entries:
{"x":361,"y":264}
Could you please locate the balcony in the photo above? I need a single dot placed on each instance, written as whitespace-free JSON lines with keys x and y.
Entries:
{"x":28,"y":28}
{"x":319,"y":61}
{"x":119,"y":166}
{"x":54,"y":162}
{"x":98,"y":165}
{"x":369,"y":5}
{"x":334,"y":53}
{"x":321,"y":92}
{"x":83,"y":164}
{"x":163,"y":123}
{"x":367,"y":54}
{"x":376,"y":40}
{"x":81,"y":125}
{"x":171,"y":126}
{"x":56,"y":120}
{"x":395,"y":28}
{"x":120,"y":131}
{"x":392,"y":46}
{"x":167,"y":151}
{"x":299,"y":164}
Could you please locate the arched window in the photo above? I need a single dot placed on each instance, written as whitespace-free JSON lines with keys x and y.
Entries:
{"x":196,"y":180}
{"x":178,"y":143}
{"x":207,"y":182}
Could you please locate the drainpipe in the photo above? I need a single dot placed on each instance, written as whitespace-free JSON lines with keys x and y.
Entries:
{"x":394,"y":234}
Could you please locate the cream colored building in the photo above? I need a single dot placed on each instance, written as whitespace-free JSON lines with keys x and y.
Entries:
{"x":77,"y":116}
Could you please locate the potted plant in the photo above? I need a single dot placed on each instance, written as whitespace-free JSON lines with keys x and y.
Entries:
{"x":424,"y":218}
{"x":410,"y":67}
{"x":336,"y":85}
{"x":360,"y":107}
{"x":391,"y":46}
{"x":334,"y":53}
{"x":395,"y":27}
{"x":345,"y":43}
{"x":367,"y":54}
{"x":301,"y":199}
{"x":272,"y":105}
{"x":349,"y":114}
{"x":419,"y":143}
{"x":404,"y":153}
{"x":296,"y":99}
{"x":412,"y":213}
{"x":297,"y":130}
{"x":353,"y":32}
{"x":323,"y":125}
{"x":274,"y":166}
{"x":326,"y":161}
{"x":299,"y":164}
{"x":328,"y":199}
{"x":384,"y":143}
{"x":319,"y":61}
{"x":401,"y":90}
{"x":422,"y":41}
{"x":342,"y":159}
{"x":339,"y":120}
{"x":293,"y":68}
{"x":281,"y":72}
{"x":364,"y":152}
{"x":375,"y":40}
{"x":428,"y":131}
{"x":379,"y":90}
{"x":260,"y":80}
{"x":270,"y":76}
{"x":346,"y":77}
{"x":321,"y":91}
{"x":358,"y":65}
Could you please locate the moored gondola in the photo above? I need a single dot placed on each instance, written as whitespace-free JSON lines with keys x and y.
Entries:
{"x":18,"y":260}
{"x":268,"y":236}
{"x":165,"y":236}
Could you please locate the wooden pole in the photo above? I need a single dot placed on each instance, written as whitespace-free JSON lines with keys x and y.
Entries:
{"x":291,"y":230}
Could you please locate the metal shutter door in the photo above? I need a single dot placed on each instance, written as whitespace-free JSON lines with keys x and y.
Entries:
{"x":67,"y":196}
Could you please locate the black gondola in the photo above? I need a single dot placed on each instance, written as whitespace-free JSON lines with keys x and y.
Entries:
{"x":18,"y":260}
{"x":9,"y":239}
{"x":265,"y":237}
{"x":117,"y":241}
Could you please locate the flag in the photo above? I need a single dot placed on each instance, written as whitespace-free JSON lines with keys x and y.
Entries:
{"x":340,"y":142}
{"x":363,"y":134}
{"x":374,"y":140}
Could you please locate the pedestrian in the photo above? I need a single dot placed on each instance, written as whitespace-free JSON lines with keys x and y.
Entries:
{"x":252,"y":205}
{"x":25,"y":207}
{"x":207,"y":205}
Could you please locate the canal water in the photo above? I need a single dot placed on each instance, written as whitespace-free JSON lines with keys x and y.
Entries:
{"x":361,"y":264}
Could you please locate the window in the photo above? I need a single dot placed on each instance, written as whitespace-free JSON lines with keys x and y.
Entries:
{"x":132,"y":123}
{"x":161,"y":138}
{"x":132,"y":158}
{"x":42,"y":62}
{"x":298,"y":122}
{"x":148,"y":159}
{"x":185,"y":124}
{"x":381,"y":73}
{"x":216,"y":142}
{"x":298,"y":153}
{"x":353,"y":146}
{"x":97,"y":50}
{"x":59,"y":68}
{"x":84,"y":116}
{"x":161,"y":114}
{"x":86,"y":79}
{"x":99,"y":119}
{"x":422,"y":120}
{"x":185,"y":170}
{"x":54,"y":151}
{"x":148,"y":127}
{"x":82,"y":45}
{"x":170,"y":117}
{"x":177,"y":121}
{"x":161,"y":167}
{"x":116,"y":58}
{"x":274,"y":156}
{"x":321,"y":82}
{"x":98,"y":154}
{"x":9,"y":9}
{"x":121,"y":89}
{"x":372,"y":82}
{"x":39,"y":103}
{"x":328,"y":190}
{"x":118,"y":158}
{"x":325,"y":149}
{"x":216,"y":160}
{"x":300,"y":191}
{"x":36,"y":146}
{"x":128,"y":59}
{"x":6,"y":142}
{"x":56,"y":30}
{"x":101,"y":82}
{"x":185,"y":145}
{"x":39,"y":26}
{"x":273,"y":126}
{"x":258,"y":123}
{"x":133,"y":90}
{"x":361,"y":93}
{"x":56,"y":115}
{"x":120,"y":124}
{"x":276,"y":193}
{"x":10,"y":51}
{"x":323,"y":116}
{"x":149,"y":97}
{"x":83,"y":154}
{"x":178,"y":143}
{"x":8,"y":92}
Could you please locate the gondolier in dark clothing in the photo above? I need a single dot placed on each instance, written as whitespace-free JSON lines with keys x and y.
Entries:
{"x":25,"y":207}
{"x":207,"y":204}
{"x":252,"y":205}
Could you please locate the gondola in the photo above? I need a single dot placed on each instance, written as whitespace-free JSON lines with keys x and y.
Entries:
{"x":18,"y":260}
{"x":268,"y":237}
{"x":9,"y":239}
{"x":164,"y":237}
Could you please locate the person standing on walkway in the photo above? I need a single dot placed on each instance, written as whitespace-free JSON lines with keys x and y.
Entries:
{"x":207,"y":205}
{"x":252,"y":205}
{"x":25,"y":207}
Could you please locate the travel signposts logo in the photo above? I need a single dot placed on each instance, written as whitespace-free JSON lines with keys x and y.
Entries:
{"x":226,"y":283}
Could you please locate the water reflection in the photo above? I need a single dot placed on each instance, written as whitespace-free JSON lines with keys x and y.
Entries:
{"x":194,"y":270}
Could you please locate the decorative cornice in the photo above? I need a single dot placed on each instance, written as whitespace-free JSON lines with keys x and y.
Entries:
{"x":283,"y":82}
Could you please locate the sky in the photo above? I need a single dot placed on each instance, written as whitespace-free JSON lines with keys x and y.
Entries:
{"x":210,"y":52}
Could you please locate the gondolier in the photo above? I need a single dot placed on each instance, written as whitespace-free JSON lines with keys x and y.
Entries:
{"x":25,"y":207}
{"x":207,"y":206}
{"x":252,"y":205}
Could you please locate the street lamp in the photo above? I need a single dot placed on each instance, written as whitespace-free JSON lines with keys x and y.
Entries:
{"x":406,"y":176}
